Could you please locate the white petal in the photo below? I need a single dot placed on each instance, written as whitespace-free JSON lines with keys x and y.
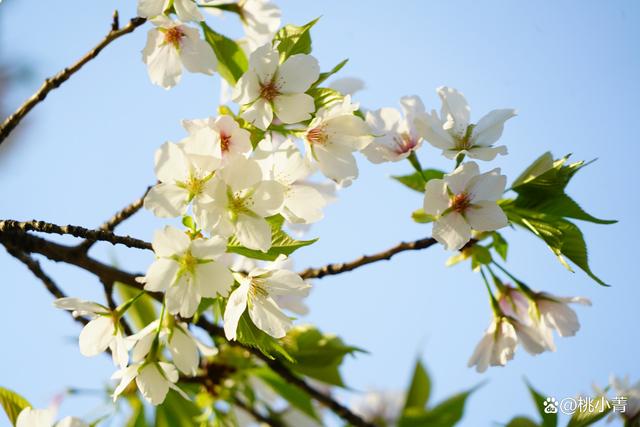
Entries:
{"x":236,"y":305}
{"x":452,"y":230}
{"x":429,"y":126}
{"x":171,"y":164}
{"x":412,"y":106}
{"x":485,"y":153}
{"x":96,"y":336}
{"x":208,"y":248}
{"x":559,"y":316}
{"x":282,"y":282}
{"x":489,"y":128}
{"x":163,"y":61}
{"x":150,"y":8}
{"x":213,"y":278}
{"x":264,"y":62}
{"x":488,"y":186}
{"x":71,"y":422}
{"x":183,"y":297}
{"x":459,"y":179}
{"x":259,"y":114}
{"x":247,"y":89}
{"x":455,"y":109}
{"x":187,"y":10}
{"x":253,"y":232}
{"x":436,"y":197}
{"x":303,"y":204}
{"x":267,"y":199}
{"x":166,"y":200}
{"x":197,"y":56}
{"x":153,"y":386}
{"x":482,"y":354}
{"x":30,"y":417}
{"x":486,"y":216}
{"x":298,"y":73}
{"x":294,"y":108}
{"x":119,"y":350}
{"x":161,"y":275}
{"x":82,"y":307}
{"x":349,"y":131}
{"x":336,"y":162}
{"x":125,"y":376}
{"x":241,"y":173}
{"x":184,"y":351}
{"x":170,"y":241}
{"x":268,"y":317}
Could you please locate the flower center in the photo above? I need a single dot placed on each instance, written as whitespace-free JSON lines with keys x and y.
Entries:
{"x":317,"y":135}
{"x":463,"y":138}
{"x":174,"y":36}
{"x":238,"y":203}
{"x":404,"y":143}
{"x":225,"y":142}
{"x":188,"y":263}
{"x":258,"y":288}
{"x":269,"y":90}
{"x":194,"y":186}
{"x":460,"y":202}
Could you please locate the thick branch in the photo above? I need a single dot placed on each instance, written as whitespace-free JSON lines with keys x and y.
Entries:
{"x":331,"y":269}
{"x":51,"y":83}
{"x":10,"y":225}
{"x":118,"y":218}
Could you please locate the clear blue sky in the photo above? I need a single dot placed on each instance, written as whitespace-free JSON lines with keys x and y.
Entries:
{"x":570,"y":68}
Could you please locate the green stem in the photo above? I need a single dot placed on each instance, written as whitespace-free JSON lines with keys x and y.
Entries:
{"x":413,"y":159}
{"x":497,"y":311}
{"x":524,"y":288}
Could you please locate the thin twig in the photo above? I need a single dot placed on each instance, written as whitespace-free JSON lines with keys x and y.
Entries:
{"x":331,"y":269}
{"x":255,"y":414}
{"x":51,"y":83}
{"x":118,"y":218}
{"x":10,"y":225}
{"x":34,"y":266}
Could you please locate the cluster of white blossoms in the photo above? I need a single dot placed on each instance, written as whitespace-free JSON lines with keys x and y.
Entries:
{"x":525,"y":317}
{"x":236,"y":178}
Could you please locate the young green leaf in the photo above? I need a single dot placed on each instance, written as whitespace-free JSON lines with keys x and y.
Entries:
{"x":281,"y":244}
{"x":522,"y":422}
{"x":326,"y":75}
{"x":317,"y":355}
{"x":419,"y":389}
{"x":417,"y":181}
{"x":586,"y":418}
{"x":248,"y":334}
{"x":548,"y":419}
{"x":287,"y":391}
{"x":292,"y":40}
{"x":422,"y":218}
{"x":12,"y":403}
{"x":324,"y":96}
{"x":232,"y":62}
{"x":176,"y":411}
{"x":446,"y":414}
{"x":500,"y":245}
{"x":563,"y":237}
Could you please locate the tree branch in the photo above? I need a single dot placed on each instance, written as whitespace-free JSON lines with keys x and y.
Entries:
{"x":51,"y":83}
{"x":10,"y":225}
{"x":255,"y":414}
{"x":117,"y":219}
{"x":331,"y":269}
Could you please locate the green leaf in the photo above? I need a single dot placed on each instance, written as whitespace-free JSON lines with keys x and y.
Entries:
{"x":281,"y":243}
{"x":324,"y":96}
{"x":535,"y":169}
{"x":248,"y":334}
{"x":500,"y":245}
{"x":445,"y":414}
{"x":12,"y":403}
{"x":291,"y":393}
{"x":587,"y":418}
{"x":563,"y":237}
{"x":176,"y":411}
{"x":292,"y":40}
{"x":317,"y":355}
{"x":232,"y":62}
{"x":545,"y":193}
{"x":548,"y":420}
{"x":522,"y":422}
{"x":422,"y":218}
{"x":417,"y":181}
{"x":137,"y":418}
{"x":142,"y":311}
{"x":326,"y":75}
{"x":420,"y":388}
{"x":480,"y":256}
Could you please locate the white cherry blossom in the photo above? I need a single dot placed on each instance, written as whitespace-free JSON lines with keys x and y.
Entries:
{"x":454,"y":133}
{"x":186,"y":270}
{"x":153,"y":378}
{"x":241,"y":200}
{"x":333,"y":136}
{"x":462,"y":201}
{"x":556,"y":313}
{"x":229,"y":140}
{"x":184,"y":171}
{"x":187,"y":10}
{"x":269,"y":88}
{"x":260,"y":20}
{"x":396,"y":136}
{"x":284,"y":164}
{"x":255,"y":293}
{"x":101,"y":333}
{"x":172,"y":45}
{"x":30,"y":417}
{"x":497,"y":346}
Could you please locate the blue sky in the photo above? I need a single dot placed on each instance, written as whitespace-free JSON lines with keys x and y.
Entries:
{"x":570,"y":68}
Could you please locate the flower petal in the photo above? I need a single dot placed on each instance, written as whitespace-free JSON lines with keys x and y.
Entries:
{"x":294,"y":108}
{"x":297,"y":73}
{"x":236,"y":305}
{"x":96,"y":336}
{"x":486,"y":216}
{"x":452,"y":230}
